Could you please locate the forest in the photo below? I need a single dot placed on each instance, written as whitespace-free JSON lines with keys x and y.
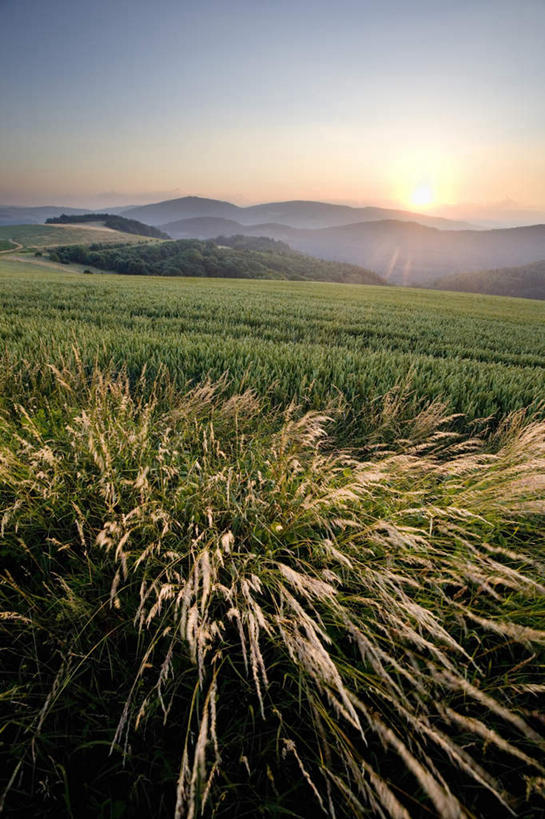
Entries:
{"x":247,"y":258}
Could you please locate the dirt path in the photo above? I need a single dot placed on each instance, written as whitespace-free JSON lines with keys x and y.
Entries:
{"x":17,"y":246}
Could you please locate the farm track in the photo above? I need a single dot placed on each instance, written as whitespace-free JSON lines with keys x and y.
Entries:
{"x":18,"y":246}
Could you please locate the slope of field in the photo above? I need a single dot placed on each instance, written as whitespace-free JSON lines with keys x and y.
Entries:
{"x":208,"y":607}
{"x":39,"y":236}
{"x":258,"y":258}
{"x":109,"y":220}
{"x":527,"y":282}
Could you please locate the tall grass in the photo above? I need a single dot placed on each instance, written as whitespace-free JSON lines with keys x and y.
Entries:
{"x":208,"y":609}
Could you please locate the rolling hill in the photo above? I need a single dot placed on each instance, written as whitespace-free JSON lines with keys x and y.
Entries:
{"x":402,"y":252}
{"x":297,"y":214}
{"x":109,"y":220}
{"x":40,"y":236}
{"x":238,"y":258}
{"x":527,"y":281}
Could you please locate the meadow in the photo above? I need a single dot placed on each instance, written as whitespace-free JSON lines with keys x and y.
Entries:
{"x":40,"y":236}
{"x":303,"y":341}
{"x":269,"y":549}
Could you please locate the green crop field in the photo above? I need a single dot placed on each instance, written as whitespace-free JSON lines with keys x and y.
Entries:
{"x":292,"y":340}
{"x":255,"y":562}
{"x":37,"y":236}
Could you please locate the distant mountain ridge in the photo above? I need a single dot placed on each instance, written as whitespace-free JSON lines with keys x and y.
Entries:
{"x":297,"y":213}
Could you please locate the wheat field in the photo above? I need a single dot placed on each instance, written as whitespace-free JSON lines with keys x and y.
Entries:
{"x":268,"y":550}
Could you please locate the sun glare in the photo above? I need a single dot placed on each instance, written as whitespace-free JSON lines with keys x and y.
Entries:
{"x":422,"y":197}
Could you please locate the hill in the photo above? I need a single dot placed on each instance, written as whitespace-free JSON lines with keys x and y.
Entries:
{"x":526,"y":282}
{"x":297,"y":214}
{"x":402,"y":252}
{"x":37,"y":236}
{"x":303,"y":214}
{"x":109,"y":220}
{"x":188,"y":207}
{"x":208,"y":227}
{"x":257,"y":259}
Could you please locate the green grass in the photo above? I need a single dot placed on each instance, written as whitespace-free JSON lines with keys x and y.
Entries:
{"x":6,"y":244}
{"x":209,"y":606}
{"x":305,"y":341}
{"x":204,"y":607}
{"x":37,"y":236}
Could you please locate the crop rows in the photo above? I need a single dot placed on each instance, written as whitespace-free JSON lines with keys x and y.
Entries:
{"x":311,"y":342}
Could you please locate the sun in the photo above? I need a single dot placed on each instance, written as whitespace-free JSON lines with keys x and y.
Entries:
{"x":422,"y":197}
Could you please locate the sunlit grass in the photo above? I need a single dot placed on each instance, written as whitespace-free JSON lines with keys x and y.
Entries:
{"x":209,"y":607}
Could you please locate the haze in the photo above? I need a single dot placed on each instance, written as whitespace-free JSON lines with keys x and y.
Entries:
{"x":434,"y":106}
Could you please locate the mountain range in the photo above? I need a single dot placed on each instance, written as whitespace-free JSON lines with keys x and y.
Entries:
{"x":296,"y":214}
{"x":402,"y":252}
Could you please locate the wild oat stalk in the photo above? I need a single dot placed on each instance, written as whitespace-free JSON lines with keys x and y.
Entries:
{"x":191,"y":581}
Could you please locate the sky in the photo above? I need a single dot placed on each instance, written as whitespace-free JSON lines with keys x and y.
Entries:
{"x":422,"y":104}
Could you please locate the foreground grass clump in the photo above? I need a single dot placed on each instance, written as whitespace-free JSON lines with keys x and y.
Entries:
{"x":208,"y":610}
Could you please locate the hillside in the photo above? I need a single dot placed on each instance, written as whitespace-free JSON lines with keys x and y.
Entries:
{"x":109,"y":220}
{"x":188,"y":207}
{"x":402,"y":252}
{"x":303,"y":214}
{"x":297,"y":214}
{"x":207,"y":259}
{"x":38,"y":236}
{"x":527,"y":281}
{"x":208,"y":227}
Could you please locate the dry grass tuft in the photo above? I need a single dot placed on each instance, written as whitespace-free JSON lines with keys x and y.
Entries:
{"x":201,"y":594}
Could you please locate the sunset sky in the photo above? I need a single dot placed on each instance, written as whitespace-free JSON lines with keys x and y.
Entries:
{"x":429,"y":104}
